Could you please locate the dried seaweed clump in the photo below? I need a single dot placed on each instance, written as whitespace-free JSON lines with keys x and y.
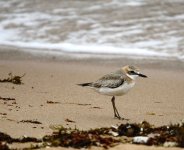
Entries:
{"x":13,"y":79}
{"x":129,"y":130}
{"x":155,"y":135}
{"x":81,"y":139}
{"x":5,"y":137}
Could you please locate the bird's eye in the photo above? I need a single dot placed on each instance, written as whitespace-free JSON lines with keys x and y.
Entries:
{"x":131,"y":72}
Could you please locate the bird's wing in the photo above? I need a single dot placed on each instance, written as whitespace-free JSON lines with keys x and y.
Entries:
{"x":112,"y":80}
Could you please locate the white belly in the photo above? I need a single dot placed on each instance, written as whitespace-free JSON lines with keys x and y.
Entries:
{"x":123,"y":89}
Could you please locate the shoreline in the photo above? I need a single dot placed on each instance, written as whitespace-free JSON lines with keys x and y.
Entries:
{"x":17,"y":53}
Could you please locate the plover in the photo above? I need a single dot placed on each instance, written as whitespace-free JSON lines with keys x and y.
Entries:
{"x":116,"y":84}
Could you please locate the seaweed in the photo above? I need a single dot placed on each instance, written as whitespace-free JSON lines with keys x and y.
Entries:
{"x":96,"y":107}
{"x":26,"y":139}
{"x":8,"y":139}
{"x":136,"y":133}
{"x":30,"y":121}
{"x":7,"y":98}
{"x":5,"y":137}
{"x":67,"y":137}
{"x":13,"y":79}
{"x":52,"y":102}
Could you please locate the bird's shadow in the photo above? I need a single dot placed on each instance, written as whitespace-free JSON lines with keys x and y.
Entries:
{"x":123,"y":119}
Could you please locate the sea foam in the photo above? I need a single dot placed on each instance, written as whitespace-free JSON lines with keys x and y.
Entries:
{"x":117,"y":27}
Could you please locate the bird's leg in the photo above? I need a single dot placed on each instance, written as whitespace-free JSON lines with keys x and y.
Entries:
{"x":116,"y":114}
{"x":113,"y":105}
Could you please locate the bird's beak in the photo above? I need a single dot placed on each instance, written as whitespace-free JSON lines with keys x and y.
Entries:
{"x":142,"y":75}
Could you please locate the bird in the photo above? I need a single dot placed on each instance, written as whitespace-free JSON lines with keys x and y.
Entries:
{"x":116,"y":83}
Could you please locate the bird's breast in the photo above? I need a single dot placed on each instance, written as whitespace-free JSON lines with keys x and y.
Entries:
{"x":121,"y":90}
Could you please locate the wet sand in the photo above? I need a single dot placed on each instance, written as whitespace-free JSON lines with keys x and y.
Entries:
{"x":157,"y":99}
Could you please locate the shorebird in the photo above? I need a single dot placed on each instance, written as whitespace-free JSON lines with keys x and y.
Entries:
{"x":116,"y":84}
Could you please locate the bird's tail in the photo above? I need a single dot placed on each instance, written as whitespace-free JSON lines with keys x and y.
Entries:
{"x":84,"y":84}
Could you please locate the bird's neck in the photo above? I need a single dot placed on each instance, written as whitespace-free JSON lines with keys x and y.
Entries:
{"x":133,"y":77}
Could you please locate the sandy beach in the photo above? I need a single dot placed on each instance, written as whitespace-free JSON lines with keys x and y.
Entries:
{"x":55,"y":46}
{"x":49,"y":95}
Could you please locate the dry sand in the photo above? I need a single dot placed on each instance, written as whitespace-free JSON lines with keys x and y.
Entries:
{"x":157,"y":99}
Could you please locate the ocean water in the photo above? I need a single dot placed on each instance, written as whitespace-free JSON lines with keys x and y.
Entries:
{"x":127,"y":28}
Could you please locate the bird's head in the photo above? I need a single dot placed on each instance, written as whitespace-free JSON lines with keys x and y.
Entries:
{"x":133,"y":72}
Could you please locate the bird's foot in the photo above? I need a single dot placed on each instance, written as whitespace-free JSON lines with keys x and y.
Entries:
{"x":118,"y":117}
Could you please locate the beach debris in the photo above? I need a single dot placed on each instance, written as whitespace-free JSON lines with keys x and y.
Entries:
{"x":140,"y":139}
{"x":170,"y":144}
{"x":6,"y":140}
{"x":11,"y":120}
{"x":142,"y":133}
{"x":4,"y":146}
{"x":7,"y":98}
{"x":150,"y":113}
{"x":68,"y":120}
{"x":30,"y":121}
{"x":80,"y":104}
{"x":4,"y":114}
{"x":67,"y":137}
{"x":52,"y":102}
{"x":136,"y":133}
{"x":129,"y":130}
{"x":25,"y":139}
{"x":113,"y":133}
{"x":14,"y":103}
{"x":180,"y":135}
{"x":56,"y":127}
{"x":13,"y":79}
{"x":114,"y":127}
{"x":96,"y":107}
{"x":5,"y":137}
